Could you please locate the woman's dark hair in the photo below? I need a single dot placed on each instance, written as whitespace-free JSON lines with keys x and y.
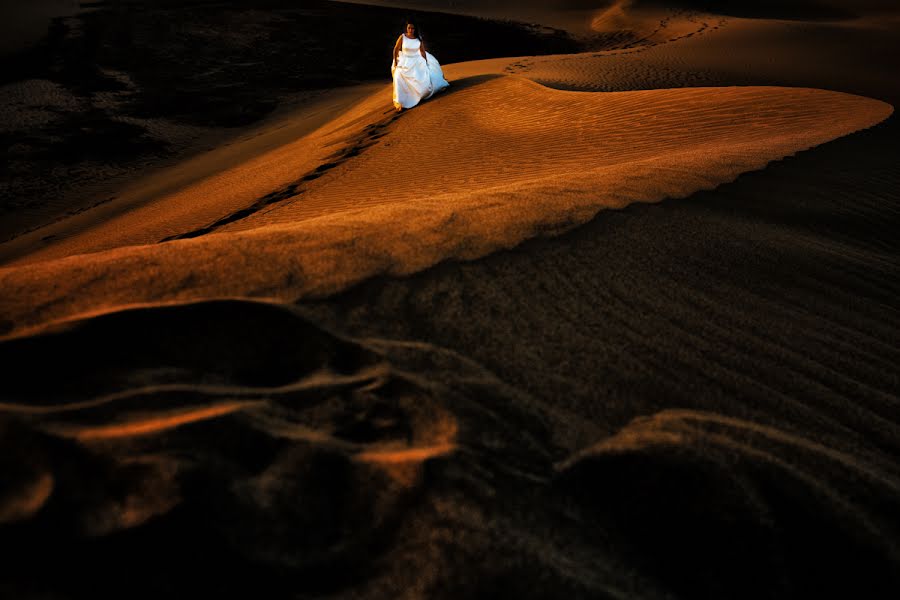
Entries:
{"x":412,"y":21}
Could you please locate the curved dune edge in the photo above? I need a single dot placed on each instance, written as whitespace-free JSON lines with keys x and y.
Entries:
{"x":334,"y":417}
{"x":569,"y":154}
{"x":713,"y":479}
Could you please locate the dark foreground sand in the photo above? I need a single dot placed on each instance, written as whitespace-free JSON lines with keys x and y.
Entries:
{"x":696,"y":398}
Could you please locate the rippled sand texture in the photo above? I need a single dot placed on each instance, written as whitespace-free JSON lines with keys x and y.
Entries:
{"x":693,"y":398}
{"x":240,"y":433}
{"x":495,"y":162}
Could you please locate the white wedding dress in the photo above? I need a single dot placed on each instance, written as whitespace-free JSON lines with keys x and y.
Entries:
{"x":415,"y":79}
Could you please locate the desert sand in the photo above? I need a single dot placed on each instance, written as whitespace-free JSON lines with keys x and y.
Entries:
{"x":620,"y":323}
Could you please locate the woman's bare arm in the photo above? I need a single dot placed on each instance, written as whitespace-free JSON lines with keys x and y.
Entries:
{"x":422,"y":49}
{"x":397,"y":47}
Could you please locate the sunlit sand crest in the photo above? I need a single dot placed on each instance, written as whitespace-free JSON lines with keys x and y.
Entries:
{"x":151,"y":425}
{"x":558,"y":158}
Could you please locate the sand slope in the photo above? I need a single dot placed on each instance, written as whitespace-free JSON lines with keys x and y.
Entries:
{"x":198,"y":190}
{"x":326,"y":465}
{"x":494,"y":162}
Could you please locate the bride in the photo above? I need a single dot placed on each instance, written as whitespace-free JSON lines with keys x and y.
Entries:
{"x":417,"y":74}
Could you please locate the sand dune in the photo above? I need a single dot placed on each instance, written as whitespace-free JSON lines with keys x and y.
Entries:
{"x":198,"y":190}
{"x":242,"y":425}
{"x":811,"y":9}
{"x":343,"y":418}
{"x":512,"y":143}
{"x":693,"y":398}
{"x":524,"y":161}
{"x":768,"y":488}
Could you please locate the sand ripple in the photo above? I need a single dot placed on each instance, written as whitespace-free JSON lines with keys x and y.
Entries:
{"x":492,"y":163}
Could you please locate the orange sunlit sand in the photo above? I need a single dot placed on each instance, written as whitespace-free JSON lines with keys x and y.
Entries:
{"x":498,"y":160}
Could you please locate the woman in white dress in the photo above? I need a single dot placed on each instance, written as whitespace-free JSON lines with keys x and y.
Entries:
{"x":417,"y":74}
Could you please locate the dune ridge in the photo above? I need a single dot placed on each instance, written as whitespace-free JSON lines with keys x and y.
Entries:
{"x":529,"y":161}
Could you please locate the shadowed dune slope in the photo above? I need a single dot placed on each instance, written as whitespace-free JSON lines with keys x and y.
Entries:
{"x":629,"y":19}
{"x":526,"y":161}
{"x":274,"y":445}
{"x":325,"y":465}
{"x":705,"y":51}
{"x":765,"y":498}
{"x":769,"y":8}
